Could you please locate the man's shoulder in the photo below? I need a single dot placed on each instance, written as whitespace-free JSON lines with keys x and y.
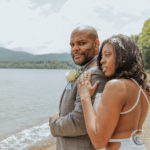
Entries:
{"x":97,"y":75}
{"x":95,"y":70}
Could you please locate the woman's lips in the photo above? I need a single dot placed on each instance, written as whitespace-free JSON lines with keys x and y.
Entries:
{"x":104,"y":68}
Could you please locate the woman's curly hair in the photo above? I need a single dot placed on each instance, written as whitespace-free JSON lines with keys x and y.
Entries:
{"x":129,"y":62}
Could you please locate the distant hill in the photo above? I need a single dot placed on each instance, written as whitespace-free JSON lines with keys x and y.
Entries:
{"x":54,"y":56}
{"x":9,"y":55}
{"x":19,"y":59}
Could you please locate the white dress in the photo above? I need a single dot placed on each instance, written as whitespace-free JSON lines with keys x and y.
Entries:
{"x":131,"y":143}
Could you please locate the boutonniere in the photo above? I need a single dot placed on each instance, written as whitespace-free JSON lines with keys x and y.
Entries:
{"x":72,"y":75}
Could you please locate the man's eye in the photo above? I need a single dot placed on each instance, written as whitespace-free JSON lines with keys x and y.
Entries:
{"x":81,"y":43}
{"x":72,"y":45}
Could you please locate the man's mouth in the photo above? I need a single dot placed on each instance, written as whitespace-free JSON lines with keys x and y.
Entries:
{"x":77,"y":56}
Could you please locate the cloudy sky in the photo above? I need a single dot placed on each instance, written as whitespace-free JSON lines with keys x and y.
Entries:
{"x":44,"y":26}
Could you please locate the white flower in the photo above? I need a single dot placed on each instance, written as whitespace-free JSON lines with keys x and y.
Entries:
{"x":72,"y":75}
{"x":116,"y":40}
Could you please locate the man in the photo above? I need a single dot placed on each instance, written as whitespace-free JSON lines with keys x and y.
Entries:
{"x":69,"y":126}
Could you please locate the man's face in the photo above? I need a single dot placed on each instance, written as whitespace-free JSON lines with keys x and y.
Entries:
{"x":82,"y":47}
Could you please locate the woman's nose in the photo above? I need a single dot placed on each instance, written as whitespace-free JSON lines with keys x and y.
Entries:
{"x":102,"y":60}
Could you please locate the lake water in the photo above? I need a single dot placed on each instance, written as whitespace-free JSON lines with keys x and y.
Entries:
{"x":27,"y":98}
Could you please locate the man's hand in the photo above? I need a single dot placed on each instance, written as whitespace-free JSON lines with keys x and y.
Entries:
{"x":52,"y":117}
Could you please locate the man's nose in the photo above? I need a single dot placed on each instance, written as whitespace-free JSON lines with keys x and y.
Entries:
{"x":75,"y":48}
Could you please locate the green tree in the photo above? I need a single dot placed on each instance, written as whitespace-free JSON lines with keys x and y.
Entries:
{"x":144,"y":43}
{"x":135,"y":38}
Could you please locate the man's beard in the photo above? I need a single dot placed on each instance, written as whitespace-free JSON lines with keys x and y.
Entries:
{"x":86,"y":59}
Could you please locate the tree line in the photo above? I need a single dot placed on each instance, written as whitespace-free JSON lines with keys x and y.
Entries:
{"x":55,"y":64}
{"x":143,"y":41}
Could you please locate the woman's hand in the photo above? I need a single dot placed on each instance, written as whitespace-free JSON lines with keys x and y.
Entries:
{"x":85,"y":88}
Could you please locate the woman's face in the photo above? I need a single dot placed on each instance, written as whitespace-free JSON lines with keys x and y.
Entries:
{"x":108,"y":60}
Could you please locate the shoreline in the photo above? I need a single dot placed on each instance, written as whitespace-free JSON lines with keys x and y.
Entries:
{"x":46,"y":145}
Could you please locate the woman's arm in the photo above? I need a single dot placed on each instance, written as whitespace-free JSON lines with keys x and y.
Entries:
{"x":101,"y":124}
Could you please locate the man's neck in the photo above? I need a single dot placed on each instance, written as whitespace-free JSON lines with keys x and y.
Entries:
{"x":93,"y":60}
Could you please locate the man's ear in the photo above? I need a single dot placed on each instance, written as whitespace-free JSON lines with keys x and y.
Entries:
{"x":97,"y":46}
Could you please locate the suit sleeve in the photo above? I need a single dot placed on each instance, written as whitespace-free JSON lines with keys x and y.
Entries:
{"x":73,"y":123}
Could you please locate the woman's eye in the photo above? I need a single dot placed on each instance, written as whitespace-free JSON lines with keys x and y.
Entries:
{"x":107,"y":54}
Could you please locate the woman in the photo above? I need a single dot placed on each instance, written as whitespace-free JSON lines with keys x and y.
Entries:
{"x":123,"y":105}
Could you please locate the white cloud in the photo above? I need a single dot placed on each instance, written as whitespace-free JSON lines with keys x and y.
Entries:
{"x":42,"y":29}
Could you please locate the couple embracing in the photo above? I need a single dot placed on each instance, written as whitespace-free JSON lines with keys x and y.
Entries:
{"x":105,"y":107}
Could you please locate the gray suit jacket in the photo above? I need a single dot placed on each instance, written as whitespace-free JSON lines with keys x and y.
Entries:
{"x":70,"y":128}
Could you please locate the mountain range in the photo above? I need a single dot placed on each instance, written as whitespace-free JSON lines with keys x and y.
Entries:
{"x":10,"y":56}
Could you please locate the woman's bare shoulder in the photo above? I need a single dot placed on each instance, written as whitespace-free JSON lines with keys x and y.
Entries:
{"x":115,"y":91}
{"x":117,"y":83}
{"x":116,"y":86}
